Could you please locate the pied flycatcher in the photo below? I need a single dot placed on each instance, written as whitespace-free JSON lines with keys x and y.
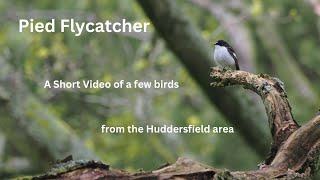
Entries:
{"x":225,"y":56}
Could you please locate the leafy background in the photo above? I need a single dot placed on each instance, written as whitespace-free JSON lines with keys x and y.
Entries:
{"x":39,"y":126}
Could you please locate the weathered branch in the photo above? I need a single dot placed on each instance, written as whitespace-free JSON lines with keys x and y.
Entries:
{"x":295,"y":149}
{"x":301,"y":148}
{"x":272,"y":93}
{"x":292,"y":148}
{"x":298,"y":154}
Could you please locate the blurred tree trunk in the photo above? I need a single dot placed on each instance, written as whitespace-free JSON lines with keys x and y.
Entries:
{"x":283,"y":60}
{"x":285,"y":66}
{"x":31,"y":128}
{"x":275,"y":51}
{"x":233,"y":25}
{"x":194,"y":53}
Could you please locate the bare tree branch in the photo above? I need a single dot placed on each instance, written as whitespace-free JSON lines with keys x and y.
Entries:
{"x":272,"y":92}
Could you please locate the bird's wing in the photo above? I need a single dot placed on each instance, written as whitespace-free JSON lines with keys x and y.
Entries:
{"x":233,"y":54}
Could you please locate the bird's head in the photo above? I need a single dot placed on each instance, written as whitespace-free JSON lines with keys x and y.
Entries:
{"x":221,"y":43}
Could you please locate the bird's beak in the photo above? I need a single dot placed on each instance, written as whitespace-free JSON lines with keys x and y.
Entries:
{"x":215,"y":43}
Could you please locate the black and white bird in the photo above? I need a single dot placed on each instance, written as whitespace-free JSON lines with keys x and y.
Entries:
{"x":225,"y":56}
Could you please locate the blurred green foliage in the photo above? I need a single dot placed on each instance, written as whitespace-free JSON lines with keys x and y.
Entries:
{"x":144,"y":56}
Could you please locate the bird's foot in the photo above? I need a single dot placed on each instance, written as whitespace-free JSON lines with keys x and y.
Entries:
{"x":217,"y":68}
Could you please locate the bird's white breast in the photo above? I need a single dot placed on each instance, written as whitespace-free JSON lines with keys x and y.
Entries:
{"x":223,"y":57}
